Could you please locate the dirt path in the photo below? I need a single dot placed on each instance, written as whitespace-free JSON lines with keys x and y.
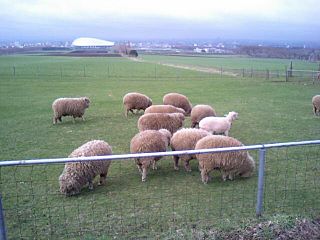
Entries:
{"x":187,"y":67}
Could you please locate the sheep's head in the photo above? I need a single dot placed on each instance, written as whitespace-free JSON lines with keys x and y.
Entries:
{"x":149,"y":102}
{"x":68,"y":186}
{"x":86,"y":101}
{"x":248,"y":167}
{"x":232,"y":116}
{"x":180,"y":116}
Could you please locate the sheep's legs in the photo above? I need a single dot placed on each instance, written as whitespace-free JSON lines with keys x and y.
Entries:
{"x":144,"y":174}
{"x":90,"y":184}
{"x":154,"y":165}
{"x":187,"y":166}
{"x":102,"y":179}
{"x":176,"y":163}
{"x":204,"y":176}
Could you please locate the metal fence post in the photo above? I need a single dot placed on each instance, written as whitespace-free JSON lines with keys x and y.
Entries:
{"x":3,"y":234}
{"x":262,"y":158}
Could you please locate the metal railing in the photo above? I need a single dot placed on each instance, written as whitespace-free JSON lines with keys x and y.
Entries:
{"x":261,"y":170}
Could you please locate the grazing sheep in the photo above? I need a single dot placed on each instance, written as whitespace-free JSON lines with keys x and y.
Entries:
{"x":164,"y":109}
{"x":230,"y":164}
{"x":199,"y":112}
{"x":149,"y":141}
{"x":186,"y":139}
{"x":156,"y":121}
{"x":136,"y":101}
{"x":77,"y":174}
{"x":74,"y":107}
{"x":178,"y":100}
{"x":218,"y":125}
{"x":316,"y":104}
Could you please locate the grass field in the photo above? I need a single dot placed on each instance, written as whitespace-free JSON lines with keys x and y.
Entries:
{"x":170,"y":202}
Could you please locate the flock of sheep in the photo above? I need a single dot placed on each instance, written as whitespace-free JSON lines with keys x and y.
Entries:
{"x":160,"y":127}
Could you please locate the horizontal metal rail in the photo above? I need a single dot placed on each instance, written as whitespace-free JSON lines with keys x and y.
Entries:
{"x":154,"y":154}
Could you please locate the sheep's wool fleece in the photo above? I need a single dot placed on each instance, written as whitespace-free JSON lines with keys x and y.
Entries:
{"x":201,"y":111}
{"x":178,"y":100}
{"x":156,"y":121}
{"x":226,"y":161}
{"x":136,"y":100}
{"x":75,"y":175}
{"x":148,"y":141}
{"x":164,"y":109}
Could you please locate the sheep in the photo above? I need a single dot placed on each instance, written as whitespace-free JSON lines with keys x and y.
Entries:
{"x":74,"y":107}
{"x":149,"y":141}
{"x":136,"y":101}
{"x":186,"y":139}
{"x":164,"y":109}
{"x":76,"y":175}
{"x":218,"y":125}
{"x":199,"y":112}
{"x":156,"y":121}
{"x":178,"y":100}
{"x":229,"y":163}
{"x":316,"y":104}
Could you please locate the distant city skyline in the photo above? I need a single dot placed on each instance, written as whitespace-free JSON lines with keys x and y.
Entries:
{"x":264,"y":20}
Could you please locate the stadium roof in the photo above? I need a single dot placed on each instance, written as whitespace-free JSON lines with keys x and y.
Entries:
{"x":87,"y":42}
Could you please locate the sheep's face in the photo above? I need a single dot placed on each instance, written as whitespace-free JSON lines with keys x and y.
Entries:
{"x":86,"y":102}
{"x":248,"y":168}
{"x":68,"y":186}
{"x":234,"y":115}
{"x":149,"y":102}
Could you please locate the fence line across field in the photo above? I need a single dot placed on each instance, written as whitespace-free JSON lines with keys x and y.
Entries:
{"x":261,"y":170}
{"x":154,"y":154}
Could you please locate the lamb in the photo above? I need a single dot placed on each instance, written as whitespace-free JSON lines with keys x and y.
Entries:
{"x":230,"y":164}
{"x":156,"y":121}
{"x":178,"y":100}
{"x":76,"y":175}
{"x":164,"y":109}
{"x":186,"y":139}
{"x":316,"y":104}
{"x":218,"y":125}
{"x":136,"y":101}
{"x":199,"y":112}
{"x":74,"y":107}
{"x":149,"y":141}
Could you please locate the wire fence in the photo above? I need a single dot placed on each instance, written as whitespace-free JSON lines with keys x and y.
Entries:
{"x":169,"y":203}
{"x":158,"y":71}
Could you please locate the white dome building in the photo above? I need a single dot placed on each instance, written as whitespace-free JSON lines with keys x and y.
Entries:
{"x":91,"y":43}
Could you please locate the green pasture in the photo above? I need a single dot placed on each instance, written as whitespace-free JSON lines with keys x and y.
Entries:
{"x":234,"y":62}
{"x":171,"y":203}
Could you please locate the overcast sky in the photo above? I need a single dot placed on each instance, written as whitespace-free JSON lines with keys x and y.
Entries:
{"x":291,"y":20}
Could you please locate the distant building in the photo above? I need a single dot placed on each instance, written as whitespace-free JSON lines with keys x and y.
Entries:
{"x":91,"y":43}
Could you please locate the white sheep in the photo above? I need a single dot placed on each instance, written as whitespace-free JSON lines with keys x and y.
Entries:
{"x":218,"y":125}
{"x":156,"y":121}
{"x":178,"y":100}
{"x":199,"y":112}
{"x":74,"y":107}
{"x":230,"y":164}
{"x":78,"y":174}
{"x":186,"y":139}
{"x":136,"y":101}
{"x":149,"y":141}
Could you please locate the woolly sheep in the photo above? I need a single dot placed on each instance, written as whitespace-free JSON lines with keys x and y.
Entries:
{"x":316,"y":104}
{"x":186,"y":139}
{"x":218,"y":125}
{"x":164,"y":109}
{"x":149,"y":141}
{"x":230,"y":164}
{"x":178,"y":100}
{"x":76,"y":175}
{"x":156,"y":121}
{"x":136,"y":101}
{"x":74,"y":107}
{"x":199,"y":112}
